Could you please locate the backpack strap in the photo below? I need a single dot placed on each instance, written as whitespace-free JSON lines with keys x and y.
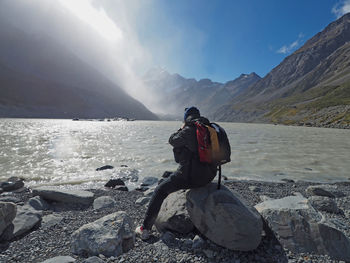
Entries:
{"x":219,"y":179}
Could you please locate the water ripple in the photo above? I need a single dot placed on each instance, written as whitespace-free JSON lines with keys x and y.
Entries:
{"x":53,"y":152}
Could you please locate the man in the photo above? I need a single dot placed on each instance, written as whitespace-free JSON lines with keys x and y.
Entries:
{"x":191,"y":173}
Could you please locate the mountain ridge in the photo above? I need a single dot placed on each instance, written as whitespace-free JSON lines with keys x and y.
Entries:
{"x":41,"y":78}
{"x":319,"y":71}
{"x":204,"y":93}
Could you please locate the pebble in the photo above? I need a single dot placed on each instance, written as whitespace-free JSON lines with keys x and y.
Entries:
{"x":42,"y":244}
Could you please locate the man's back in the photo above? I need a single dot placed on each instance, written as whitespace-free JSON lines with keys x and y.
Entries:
{"x":191,"y":172}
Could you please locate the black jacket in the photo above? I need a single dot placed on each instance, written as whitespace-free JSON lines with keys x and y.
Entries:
{"x":185,"y":150}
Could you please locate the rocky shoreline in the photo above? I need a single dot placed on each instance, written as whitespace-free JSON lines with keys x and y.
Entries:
{"x":53,"y":236}
{"x":329,"y":117}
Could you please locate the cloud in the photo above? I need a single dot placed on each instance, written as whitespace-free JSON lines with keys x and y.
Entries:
{"x":96,"y":18}
{"x":121,"y":39}
{"x":102,"y":33}
{"x":341,"y":8}
{"x":286,"y":49}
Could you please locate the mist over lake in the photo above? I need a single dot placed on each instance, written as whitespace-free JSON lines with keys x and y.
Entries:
{"x":65,"y":152}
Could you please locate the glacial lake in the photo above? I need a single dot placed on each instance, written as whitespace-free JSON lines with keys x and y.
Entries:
{"x":67,"y":153}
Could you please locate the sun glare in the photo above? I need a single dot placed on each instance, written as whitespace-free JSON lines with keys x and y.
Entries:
{"x":97,"y":19}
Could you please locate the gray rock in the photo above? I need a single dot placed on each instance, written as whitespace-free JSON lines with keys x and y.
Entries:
{"x":335,"y":243}
{"x":105,"y":167}
{"x":301,"y":229}
{"x":222,"y":216}
{"x":297,"y":194}
{"x":60,"y":259}
{"x":21,"y":190}
{"x":159,"y":247}
{"x":51,"y":220}
{"x":7,"y":214}
{"x":12,"y":184}
{"x":166,"y":174}
{"x":209,"y":253}
{"x":142,"y":200}
{"x":318,"y":190}
{"x":161,"y":180}
{"x":10,"y":199}
{"x":110,"y":235}
{"x":188,"y":242}
{"x":167,"y":237}
{"x":147,"y":181}
{"x":104,"y":202}
{"x":114,"y":182}
{"x":122,"y":188}
{"x":149,"y":192}
{"x":324,"y":190}
{"x":265,"y":198}
{"x":198,"y":242}
{"x":254,"y":188}
{"x":338,"y":224}
{"x":64,"y":196}
{"x":142,"y":188}
{"x":26,"y":218}
{"x":323,"y":203}
{"x":93,"y":259}
{"x":173,"y":214}
{"x":287,"y":180}
{"x":127,"y":174}
{"x":38,"y":203}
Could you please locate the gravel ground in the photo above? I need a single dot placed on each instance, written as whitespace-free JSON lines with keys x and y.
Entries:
{"x":42,"y":244}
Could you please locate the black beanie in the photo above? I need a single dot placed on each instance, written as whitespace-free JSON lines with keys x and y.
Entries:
{"x":191,"y":111}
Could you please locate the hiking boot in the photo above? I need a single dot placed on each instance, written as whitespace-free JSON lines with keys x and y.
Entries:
{"x":144,"y":234}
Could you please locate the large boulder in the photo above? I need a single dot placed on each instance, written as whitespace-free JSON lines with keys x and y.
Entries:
{"x":224,"y":218}
{"x":110,"y":235}
{"x":173,"y":214}
{"x":26,"y":219}
{"x":301,"y":229}
{"x":7,"y":214}
{"x":65,"y":196}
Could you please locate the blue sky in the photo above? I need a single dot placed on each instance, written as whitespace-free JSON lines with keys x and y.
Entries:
{"x":222,"y":39}
{"x":216,"y":39}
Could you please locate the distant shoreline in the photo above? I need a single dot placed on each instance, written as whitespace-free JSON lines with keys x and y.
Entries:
{"x":341,"y":127}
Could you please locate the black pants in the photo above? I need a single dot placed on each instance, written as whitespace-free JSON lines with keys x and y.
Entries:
{"x":178,"y":180}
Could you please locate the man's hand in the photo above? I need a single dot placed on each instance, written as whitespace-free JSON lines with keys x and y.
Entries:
{"x":183,"y":126}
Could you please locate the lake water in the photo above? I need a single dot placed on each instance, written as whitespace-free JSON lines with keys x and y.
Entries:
{"x":65,"y":152}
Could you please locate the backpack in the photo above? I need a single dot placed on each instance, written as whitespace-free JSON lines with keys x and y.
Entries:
{"x":213,"y":145}
{"x":224,"y":152}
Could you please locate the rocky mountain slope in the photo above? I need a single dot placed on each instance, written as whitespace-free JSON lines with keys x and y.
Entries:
{"x":309,"y":87}
{"x":175,"y":92}
{"x":41,"y":78}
